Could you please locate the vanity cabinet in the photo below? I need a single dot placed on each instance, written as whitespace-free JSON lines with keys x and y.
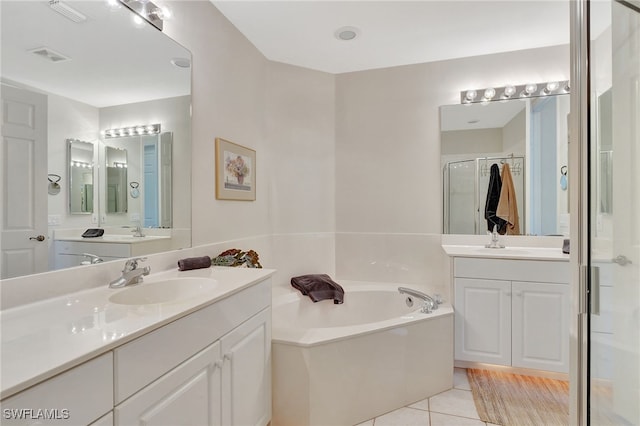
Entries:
{"x":209,"y":367}
{"x":512,"y":312}
{"x":78,"y":396}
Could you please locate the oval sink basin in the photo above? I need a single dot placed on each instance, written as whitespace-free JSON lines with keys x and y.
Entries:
{"x":167,"y":291}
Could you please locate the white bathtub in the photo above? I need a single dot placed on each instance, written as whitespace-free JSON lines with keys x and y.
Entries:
{"x":339,"y":365}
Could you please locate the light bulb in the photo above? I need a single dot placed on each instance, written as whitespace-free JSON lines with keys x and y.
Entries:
{"x":509,"y":91}
{"x":552,"y":86}
{"x":489,"y":93}
{"x":530,"y":88}
{"x":471,"y":95}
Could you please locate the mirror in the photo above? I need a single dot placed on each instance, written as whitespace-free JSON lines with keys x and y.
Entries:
{"x":80,"y":176}
{"x":104,"y":72}
{"x":115,"y":183}
{"x":528,"y":134}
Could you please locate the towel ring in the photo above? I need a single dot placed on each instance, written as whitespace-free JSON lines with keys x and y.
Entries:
{"x":135,"y":193}
{"x":54,"y":186}
{"x":563,"y":170}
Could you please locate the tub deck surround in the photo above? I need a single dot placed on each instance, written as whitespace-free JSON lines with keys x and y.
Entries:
{"x":344,"y":364}
{"x":44,"y":338}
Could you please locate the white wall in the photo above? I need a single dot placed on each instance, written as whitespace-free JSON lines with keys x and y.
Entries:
{"x":388,"y":179}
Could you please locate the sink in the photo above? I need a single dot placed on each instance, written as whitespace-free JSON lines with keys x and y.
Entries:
{"x":167,"y":291}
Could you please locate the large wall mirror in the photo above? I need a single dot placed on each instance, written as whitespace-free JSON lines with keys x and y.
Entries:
{"x":530,"y":135}
{"x":111,"y":95}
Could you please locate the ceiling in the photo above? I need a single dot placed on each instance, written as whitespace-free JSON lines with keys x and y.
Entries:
{"x":111,"y":61}
{"x":393,"y":33}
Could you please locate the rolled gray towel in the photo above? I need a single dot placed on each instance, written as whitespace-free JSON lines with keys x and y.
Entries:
{"x":194,"y":263}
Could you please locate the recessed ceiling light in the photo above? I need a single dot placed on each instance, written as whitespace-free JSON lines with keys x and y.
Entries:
{"x":347,"y":33}
{"x":181,"y":62}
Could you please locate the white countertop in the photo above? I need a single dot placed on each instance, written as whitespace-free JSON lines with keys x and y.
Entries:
{"x":522,"y":253}
{"x":116,"y":239}
{"x":42,"y":339}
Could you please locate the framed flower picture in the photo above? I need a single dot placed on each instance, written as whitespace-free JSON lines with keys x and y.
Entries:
{"x":235,"y":171}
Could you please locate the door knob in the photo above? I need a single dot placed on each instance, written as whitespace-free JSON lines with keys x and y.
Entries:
{"x":38,"y":238}
{"x":621,"y":260}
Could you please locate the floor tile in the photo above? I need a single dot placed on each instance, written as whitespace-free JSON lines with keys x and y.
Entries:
{"x":404,"y":417}
{"x":367,"y":423}
{"x":438,"y":419}
{"x":421,"y":405}
{"x":456,"y":402}
{"x":460,"y":379}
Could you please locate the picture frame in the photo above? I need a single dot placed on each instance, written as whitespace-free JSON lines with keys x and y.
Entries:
{"x":235,"y":171}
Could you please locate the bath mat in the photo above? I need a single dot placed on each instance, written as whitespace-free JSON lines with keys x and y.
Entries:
{"x":512,"y":399}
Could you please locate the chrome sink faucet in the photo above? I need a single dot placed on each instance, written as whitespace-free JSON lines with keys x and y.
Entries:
{"x":131,"y":274}
{"x":495,"y":243}
{"x":430,"y":303}
{"x":137,"y":231}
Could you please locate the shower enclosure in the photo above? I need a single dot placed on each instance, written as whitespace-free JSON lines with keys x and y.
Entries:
{"x":465,"y":192}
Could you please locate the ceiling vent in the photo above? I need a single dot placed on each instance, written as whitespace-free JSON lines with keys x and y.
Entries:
{"x":67,"y":11}
{"x":49,"y":54}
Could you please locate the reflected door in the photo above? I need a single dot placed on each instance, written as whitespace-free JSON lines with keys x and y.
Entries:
{"x":614,"y":329}
{"x":23,"y":221}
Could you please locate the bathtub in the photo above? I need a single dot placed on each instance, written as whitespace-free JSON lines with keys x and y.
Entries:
{"x":339,"y":365}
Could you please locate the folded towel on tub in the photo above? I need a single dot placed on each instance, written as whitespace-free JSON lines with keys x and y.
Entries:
{"x":319,"y":287}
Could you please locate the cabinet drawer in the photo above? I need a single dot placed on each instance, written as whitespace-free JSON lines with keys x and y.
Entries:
{"x":143,"y":360}
{"x":76,"y":397}
{"x":512,"y":270}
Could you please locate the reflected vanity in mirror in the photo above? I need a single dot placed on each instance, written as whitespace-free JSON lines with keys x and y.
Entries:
{"x":60,"y":67}
{"x":81,"y":176}
{"x":530,"y":135}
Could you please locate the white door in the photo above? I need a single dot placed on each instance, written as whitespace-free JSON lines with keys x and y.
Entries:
{"x":246,"y":372}
{"x":23,"y":186}
{"x":540,"y":326}
{"x":483,"y":321}
{"x":188,"y":395}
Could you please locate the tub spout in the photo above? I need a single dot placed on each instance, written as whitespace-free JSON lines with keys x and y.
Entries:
{"x":430,"y":304}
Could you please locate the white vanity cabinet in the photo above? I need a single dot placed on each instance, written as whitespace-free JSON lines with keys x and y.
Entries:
{"x":212,"y":367}
{"x":512,"y":313}
{"x":78,"y":396}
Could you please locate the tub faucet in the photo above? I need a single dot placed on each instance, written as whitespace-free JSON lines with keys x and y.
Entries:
{"x":131,"y":274}
{"x":430,"y":304}
{"x":495,"y":243}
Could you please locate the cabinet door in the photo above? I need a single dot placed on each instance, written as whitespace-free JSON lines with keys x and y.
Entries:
{"x":541,"y":326}
{"x":483,"y":321}
{"x":187,"y":395}
{"x":246,"y":372}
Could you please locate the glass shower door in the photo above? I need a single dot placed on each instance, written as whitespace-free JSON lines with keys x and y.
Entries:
{"x":614,"y":315}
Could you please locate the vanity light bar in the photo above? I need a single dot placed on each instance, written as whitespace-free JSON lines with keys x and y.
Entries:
{"x":529,"y":90}
{"x":139,"y":130}
{"x":148,"y":11}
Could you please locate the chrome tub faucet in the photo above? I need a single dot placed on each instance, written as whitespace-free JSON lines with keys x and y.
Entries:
{"x":131,"y":274}
{"x":430,"y":303}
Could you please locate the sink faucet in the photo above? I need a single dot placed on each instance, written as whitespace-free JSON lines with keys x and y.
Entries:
{"x":93,"y":259}
{"x":137,"y":231}
{"x":131,"y":274}
{"x":495,"y":243}
{"x":430,"y":303}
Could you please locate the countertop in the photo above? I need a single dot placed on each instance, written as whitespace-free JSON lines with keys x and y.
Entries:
{"x":522,"y":253}
{"x":116,"y":239}
{"x":42,"y":339}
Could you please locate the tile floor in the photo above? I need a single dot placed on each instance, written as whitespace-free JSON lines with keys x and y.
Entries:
{"x":454,"y":407}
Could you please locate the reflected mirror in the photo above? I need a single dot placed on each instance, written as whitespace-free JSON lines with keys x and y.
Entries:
{"x":83,"y":77}
{"x":115,"y":183}
{"x":530,"y":135}
{"x":81,"y":174}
